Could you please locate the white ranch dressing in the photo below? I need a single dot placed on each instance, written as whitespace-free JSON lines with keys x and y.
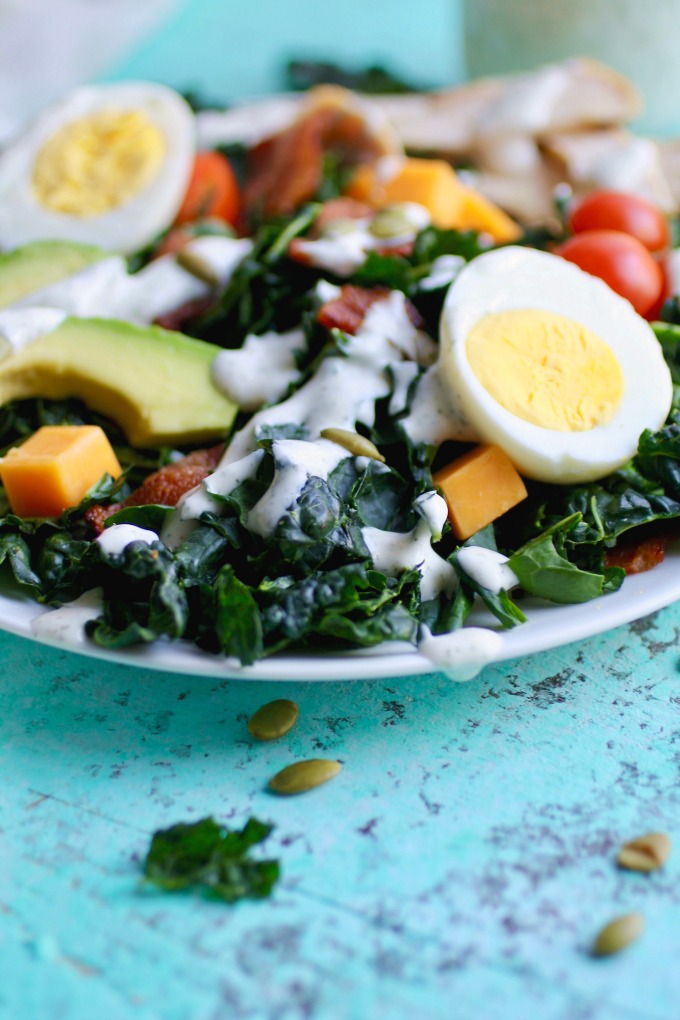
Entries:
{"x":344,"y":389}
{"x":488,"y":568}
{"x":67,"y":623}
{"x":295,"y":461}
{"x":433,"y":418}
{"x":403,"y":374}
{"x":344,"y":244}
{"x":117,"y":537}
{"x":107,"y":290}
{"x":21,"y":326}
{"x":462,"y":654}
{"x":221,"y":482}
{"x":261,"y":371}
{"x":443,"y":272}
{"x":434,"y":511}
{"x":395,"y":551}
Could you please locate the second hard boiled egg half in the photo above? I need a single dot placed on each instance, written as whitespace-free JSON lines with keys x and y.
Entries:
{"x":551,"y":365}
{"x":109,"y":165}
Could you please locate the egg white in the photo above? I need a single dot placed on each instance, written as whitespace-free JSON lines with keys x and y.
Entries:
{"x":131,"y":225}
{"x":522,"y":278}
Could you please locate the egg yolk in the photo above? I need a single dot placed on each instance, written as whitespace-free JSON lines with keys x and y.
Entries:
{"x":97,"y":163}
{"x":546,"y":369}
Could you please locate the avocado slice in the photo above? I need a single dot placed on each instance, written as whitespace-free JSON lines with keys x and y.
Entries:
{"x":154,"y":383}
{"x":37,"y":265}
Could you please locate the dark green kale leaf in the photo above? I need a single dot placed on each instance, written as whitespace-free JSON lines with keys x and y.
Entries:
{"x":267,"y":291}
{"x":300,"y":611}
{"x":144,"y":595}
{"x":237,"y":619}
{"x":499,"y":603}
{"x":205,"y":856}
{"x":383,"y":499}
{"x":543,"y":570}
{"x":15,"y":551}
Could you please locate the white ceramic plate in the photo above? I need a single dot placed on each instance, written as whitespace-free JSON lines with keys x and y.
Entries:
{"x":547,"y":626}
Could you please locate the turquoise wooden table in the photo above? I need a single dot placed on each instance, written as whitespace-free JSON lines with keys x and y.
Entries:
{"x":461,"y":863}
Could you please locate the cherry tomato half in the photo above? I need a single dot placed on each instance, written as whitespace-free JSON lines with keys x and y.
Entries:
{"x":212,"y":192}
{"x":615,"y":210}
{"x":621,"y":261}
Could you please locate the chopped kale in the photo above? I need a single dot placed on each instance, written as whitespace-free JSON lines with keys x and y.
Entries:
{"x":207,"y":857}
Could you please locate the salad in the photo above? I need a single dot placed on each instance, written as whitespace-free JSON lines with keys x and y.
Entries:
{"x":309,"y":392}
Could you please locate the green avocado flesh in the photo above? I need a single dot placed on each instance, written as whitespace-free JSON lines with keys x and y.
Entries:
{"x":38,"y":265}
{"x":154,"y":383}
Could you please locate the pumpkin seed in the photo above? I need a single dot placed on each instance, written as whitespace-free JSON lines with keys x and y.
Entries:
{"x":273,"y":720}
{"x":198,"y":267}
{"x":392,"y":221}
{"x":645,"y":853}
{"x":304,"y":775}
{"x":618,"y":934}
{"x":358,"y":445}
{"x":344,"y":225}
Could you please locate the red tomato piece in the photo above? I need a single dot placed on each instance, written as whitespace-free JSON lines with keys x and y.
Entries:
{"x":621,"y":261}
{"x":615,"y":210}
{"x":212,"y":192}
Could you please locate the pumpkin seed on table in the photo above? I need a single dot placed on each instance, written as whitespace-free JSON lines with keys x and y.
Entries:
{"x":273,"y":720}
{"x":304,"y":775}
{"x":645,"y":853}
{"x":618,"y":934}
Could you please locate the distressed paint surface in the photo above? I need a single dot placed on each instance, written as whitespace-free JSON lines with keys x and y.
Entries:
{"x":460,"y":864}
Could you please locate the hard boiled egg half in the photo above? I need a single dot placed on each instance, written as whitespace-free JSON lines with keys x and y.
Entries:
{"x":108,"y":166}
{"x":551,"y":365}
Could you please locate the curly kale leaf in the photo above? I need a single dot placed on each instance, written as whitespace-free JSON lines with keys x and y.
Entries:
{"x":204,"y":855}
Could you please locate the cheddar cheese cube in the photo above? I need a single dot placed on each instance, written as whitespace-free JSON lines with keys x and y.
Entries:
{"x":479,"y":487}
{"x":55,"y":467}
{"x":434,"y":184}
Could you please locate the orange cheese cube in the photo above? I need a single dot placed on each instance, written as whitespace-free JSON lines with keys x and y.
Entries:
{"x":434,"y":184}
{"x":479,"y":487}
{"x":55,"y":467}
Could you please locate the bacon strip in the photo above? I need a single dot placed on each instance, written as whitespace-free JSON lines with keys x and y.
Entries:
{"x":164,"y":487}
{"x":641,"y":554}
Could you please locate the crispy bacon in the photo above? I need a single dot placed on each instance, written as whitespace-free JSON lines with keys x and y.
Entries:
{"x":178,"y":317}
{"x":348,"y":310}
{"x":287,"y":169}
{"x":636,"y":555}
{"x":164,"y":486}
{"x":341,"y":208}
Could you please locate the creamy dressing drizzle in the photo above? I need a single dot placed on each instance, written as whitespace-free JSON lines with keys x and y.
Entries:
{"x":240,"y":376}
{"x":394,"y":551}
{"x":434,"y":511}
{"x":342,"y":393}
{"x":488,"y":568}
{"x":21,"y":326}
{"x":403,"y":375}
{"x":344,"y":389}
{"x":462,"y":654}
{"x":221,"y":483}
{"x":67,"y":623}
{"x":343,"y":247}
{"x":433,"y":418}
{"x":107,"y":290}
{"x":295,"y":461}
{"x":443,"y":272}
{"x":117,"y":537}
